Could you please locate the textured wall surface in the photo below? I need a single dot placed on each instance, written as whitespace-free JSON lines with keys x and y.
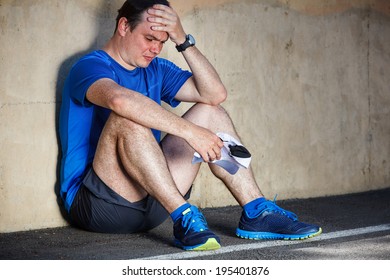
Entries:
{"x":307,"y":80}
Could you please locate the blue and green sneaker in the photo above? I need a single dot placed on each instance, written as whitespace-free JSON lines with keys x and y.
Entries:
{"x":273,"y":222}
{"x":192,"y":233}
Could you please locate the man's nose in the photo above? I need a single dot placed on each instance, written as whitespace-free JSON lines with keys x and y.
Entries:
{"x":156,"y":47}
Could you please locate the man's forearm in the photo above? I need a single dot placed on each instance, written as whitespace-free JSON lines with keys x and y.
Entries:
{"x":207,"y":80}
{"x":136,"y":107}
{"x":144,"y":111}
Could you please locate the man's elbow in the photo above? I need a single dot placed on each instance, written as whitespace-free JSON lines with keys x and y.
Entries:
{"x":116,"y":103}
{"x":219,"y":96}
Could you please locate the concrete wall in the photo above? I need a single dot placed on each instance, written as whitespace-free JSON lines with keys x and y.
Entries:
{"x":308,"y":84}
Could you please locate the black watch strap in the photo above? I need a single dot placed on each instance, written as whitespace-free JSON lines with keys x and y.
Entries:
{"x":190,"y":41}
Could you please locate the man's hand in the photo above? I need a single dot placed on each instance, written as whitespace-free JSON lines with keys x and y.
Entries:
{"x":206,"y":143}
{"x":167,"y":20}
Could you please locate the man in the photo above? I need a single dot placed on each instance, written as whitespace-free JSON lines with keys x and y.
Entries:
{"x":117,"y":176}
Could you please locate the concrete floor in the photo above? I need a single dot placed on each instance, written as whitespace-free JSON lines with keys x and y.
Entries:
{"x":355,"y":227}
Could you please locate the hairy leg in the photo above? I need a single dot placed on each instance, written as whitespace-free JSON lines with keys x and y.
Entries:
{"x":179,"y":154}
{"x":130,"y":161}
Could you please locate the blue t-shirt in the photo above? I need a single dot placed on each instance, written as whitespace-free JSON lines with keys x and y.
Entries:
{"x":81,"y":122}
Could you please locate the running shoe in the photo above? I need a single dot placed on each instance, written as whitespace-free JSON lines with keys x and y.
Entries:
{"x":192,"y":233}
{"x":273,"y":222}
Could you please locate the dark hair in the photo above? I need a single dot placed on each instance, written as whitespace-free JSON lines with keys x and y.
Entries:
{"x":132,"y":10}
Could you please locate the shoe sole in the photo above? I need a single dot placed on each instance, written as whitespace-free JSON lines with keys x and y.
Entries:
{"x":273,"y":236}
{"x":210,"y":244}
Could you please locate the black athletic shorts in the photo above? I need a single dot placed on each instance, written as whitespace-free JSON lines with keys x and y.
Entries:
{"x":98,"y":208}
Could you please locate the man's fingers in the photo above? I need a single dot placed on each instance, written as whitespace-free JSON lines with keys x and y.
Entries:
{"x":215,"y":153}
{"x":159,"y":13}
{"x":205,"y":157}
{"x":209,"y":156}
{"x":220,"y":143}
{"x":218,"y":154}
{"x":212,"y":156}
{"x":162,"y":8}
{"x":164,"y":23}
{"x":158,"y":20}
{"x":166,"y":20}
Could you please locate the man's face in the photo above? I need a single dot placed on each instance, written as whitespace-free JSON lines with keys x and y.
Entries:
{"x":142,"y":45}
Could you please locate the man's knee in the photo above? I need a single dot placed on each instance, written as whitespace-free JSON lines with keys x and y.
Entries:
{"x":206,"y":115}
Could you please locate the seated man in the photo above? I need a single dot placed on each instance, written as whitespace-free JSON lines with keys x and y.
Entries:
{"x":116,"y":174}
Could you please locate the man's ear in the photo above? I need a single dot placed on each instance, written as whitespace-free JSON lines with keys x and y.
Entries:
{"x":123,"y":26}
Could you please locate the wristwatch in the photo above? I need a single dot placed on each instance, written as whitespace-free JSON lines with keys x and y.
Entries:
{"x":190,"y":41}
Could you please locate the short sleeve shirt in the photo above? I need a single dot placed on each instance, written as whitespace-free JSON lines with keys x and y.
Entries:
{"x":81,"y":122}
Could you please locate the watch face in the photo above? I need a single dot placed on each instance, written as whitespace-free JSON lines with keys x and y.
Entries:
{"x":191,"y":39}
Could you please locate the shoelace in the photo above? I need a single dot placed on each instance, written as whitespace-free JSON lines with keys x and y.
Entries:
{"x":194,"y":220}
{"x":271,"y":206}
